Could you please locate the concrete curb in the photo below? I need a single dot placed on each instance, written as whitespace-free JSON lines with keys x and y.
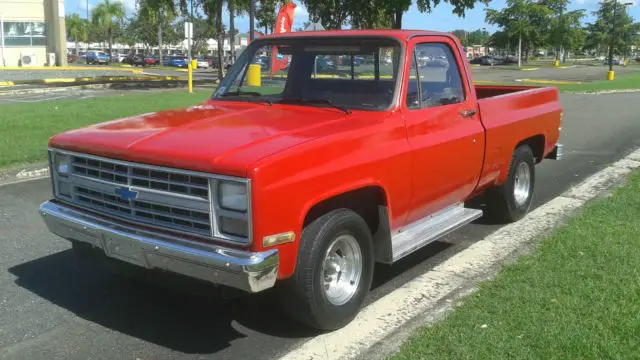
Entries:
{"x":383,"y":326}
{"x":94,"y":79}
{"x":72,"y":68}
{"x":24,"y":173}
{"x":116,"y":85}
{"x":598,"y":92}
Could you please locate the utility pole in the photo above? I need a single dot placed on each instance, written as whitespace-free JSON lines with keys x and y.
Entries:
{"x":86,"y":54}
{"x":613,"y":36}
{"x":611,"y":75}
{"x":190,"y":33}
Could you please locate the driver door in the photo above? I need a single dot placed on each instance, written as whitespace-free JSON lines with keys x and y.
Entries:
{"x":443,"y":127}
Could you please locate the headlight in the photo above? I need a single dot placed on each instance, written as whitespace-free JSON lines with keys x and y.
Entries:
{"x":232,"y":196}
{"x":61,"y":164}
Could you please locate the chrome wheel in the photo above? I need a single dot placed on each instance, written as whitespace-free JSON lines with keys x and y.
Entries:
{"x":522,"y":184}
{"x":342,"y":269}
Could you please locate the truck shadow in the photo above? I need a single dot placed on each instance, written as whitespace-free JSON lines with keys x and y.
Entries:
{"x":179,"y":320}
{"x":190,"y":318}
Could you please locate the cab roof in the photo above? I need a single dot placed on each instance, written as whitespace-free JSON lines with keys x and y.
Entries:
{"x":399,"y":34}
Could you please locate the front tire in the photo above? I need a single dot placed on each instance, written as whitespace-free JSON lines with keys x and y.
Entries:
{"x":511,"y":201}
{"x":334,"y":271}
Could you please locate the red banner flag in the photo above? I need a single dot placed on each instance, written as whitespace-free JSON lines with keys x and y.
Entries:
{"x":284,"y":23}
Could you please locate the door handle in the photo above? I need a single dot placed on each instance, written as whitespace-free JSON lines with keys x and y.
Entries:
{"x":468,"y":113}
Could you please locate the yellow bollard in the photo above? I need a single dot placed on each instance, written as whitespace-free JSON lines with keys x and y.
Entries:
{"x":253,"y":75}
{"x":611,"y":75}
{"x":556,"y":63}
{"x":194,"y":63}
{"x":190,"y":77}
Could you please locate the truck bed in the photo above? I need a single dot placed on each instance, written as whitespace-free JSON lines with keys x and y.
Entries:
{"x":510,"y":114}
{"x":487,"y":91}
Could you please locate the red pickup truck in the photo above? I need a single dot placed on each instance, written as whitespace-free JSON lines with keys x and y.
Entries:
{"x":303,"y":177}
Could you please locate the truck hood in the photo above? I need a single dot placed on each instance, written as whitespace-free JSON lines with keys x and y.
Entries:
{"x":199,"y":138}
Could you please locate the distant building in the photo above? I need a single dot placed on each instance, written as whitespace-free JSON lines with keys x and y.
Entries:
{"x":475,"y":51}
{"x":30,"y":30}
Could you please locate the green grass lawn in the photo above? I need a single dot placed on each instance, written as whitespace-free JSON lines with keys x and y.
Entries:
{"x":576,"y":297}
{"x":621,"y":82}
{"x":26,"y":127}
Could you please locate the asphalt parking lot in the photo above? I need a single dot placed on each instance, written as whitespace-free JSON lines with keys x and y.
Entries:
{"x":577,"y":73}
{"x":55,"y":306}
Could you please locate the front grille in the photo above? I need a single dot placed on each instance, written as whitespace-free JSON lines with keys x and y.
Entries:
{"x":164,"y":198}
{"x":161,"y":180}
{"x":144,"y":211}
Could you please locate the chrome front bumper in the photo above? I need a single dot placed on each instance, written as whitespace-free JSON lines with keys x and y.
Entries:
{"x":247,"y":271}
{"x":557,"y":153}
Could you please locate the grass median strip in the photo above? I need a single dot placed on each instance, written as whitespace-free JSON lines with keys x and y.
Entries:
{"x":575,"y":297}
{"x":26,"y":127}
{"x":621,"y":82}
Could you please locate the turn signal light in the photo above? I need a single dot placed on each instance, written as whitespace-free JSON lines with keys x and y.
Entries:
{"x":278,"y":239}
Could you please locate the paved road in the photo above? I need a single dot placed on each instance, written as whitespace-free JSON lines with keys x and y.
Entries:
{"x":54,"y":306}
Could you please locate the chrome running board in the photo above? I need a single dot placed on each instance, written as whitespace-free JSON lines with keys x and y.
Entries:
{"x":431,"y":228}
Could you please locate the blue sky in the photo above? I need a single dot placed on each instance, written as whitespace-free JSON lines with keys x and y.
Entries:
{"x":440,"y":19}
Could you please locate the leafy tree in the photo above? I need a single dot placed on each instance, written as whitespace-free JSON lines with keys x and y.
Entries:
{"x":157,"y":13}
{"x":203,"y":30}
{"x":108,"y":15}
{"x":600,"y":32}
{"x":565,"y":28}
{"x":333,"y":14}
{"x":266,"y":14}
{"x":236,"y":8}
{"x":476,"y":37}
{"x":524,"y":19}
{"x":77,"y":29}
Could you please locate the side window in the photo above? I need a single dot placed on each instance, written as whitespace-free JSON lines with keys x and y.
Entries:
{"x":439,"y":76}
{"x":413,"y":92}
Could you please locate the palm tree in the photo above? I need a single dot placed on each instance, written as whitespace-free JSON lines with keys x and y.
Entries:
{"x":158,"y":11}
{"x":77,"y":29}
{"x":106,"y":14}
{"x":213,"y":10}
{"x":236,"y":8}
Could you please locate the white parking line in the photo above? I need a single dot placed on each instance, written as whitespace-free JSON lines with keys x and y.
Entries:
{"x":391,"y":312}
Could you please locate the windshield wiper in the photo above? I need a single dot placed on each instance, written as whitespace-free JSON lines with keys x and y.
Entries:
{"x":238,"y":93}
{"x":318,"y":101}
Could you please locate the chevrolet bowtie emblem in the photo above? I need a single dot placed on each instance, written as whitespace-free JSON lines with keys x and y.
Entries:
{"x":126,"y":194}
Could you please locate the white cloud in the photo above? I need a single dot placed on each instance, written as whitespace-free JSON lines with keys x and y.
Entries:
{"x":300,"y":12}
{"x":129,"y":5}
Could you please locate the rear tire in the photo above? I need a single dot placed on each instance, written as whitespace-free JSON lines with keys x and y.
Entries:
{"x":511,"y":201}
{"x":333,"y":273}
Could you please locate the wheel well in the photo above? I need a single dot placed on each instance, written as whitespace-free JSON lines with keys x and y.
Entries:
{"x":363,"y":201}
{"x":536,"y":143}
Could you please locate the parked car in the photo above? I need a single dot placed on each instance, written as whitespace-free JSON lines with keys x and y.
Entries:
{"x":177,"y":61}
{"x":135,"y":60}
{"x":614,"y":62}
{"x":151,"y":60}
{"x":202,"y":63}
{"x":97,"y":57}
{"x":485,"y":60}
{"x":309,"y":192}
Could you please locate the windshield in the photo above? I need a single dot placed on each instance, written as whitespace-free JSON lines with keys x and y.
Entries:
{"x":347,"y":73}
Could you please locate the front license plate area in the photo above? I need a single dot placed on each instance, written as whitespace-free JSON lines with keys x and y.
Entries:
{"x":124,"y":249}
